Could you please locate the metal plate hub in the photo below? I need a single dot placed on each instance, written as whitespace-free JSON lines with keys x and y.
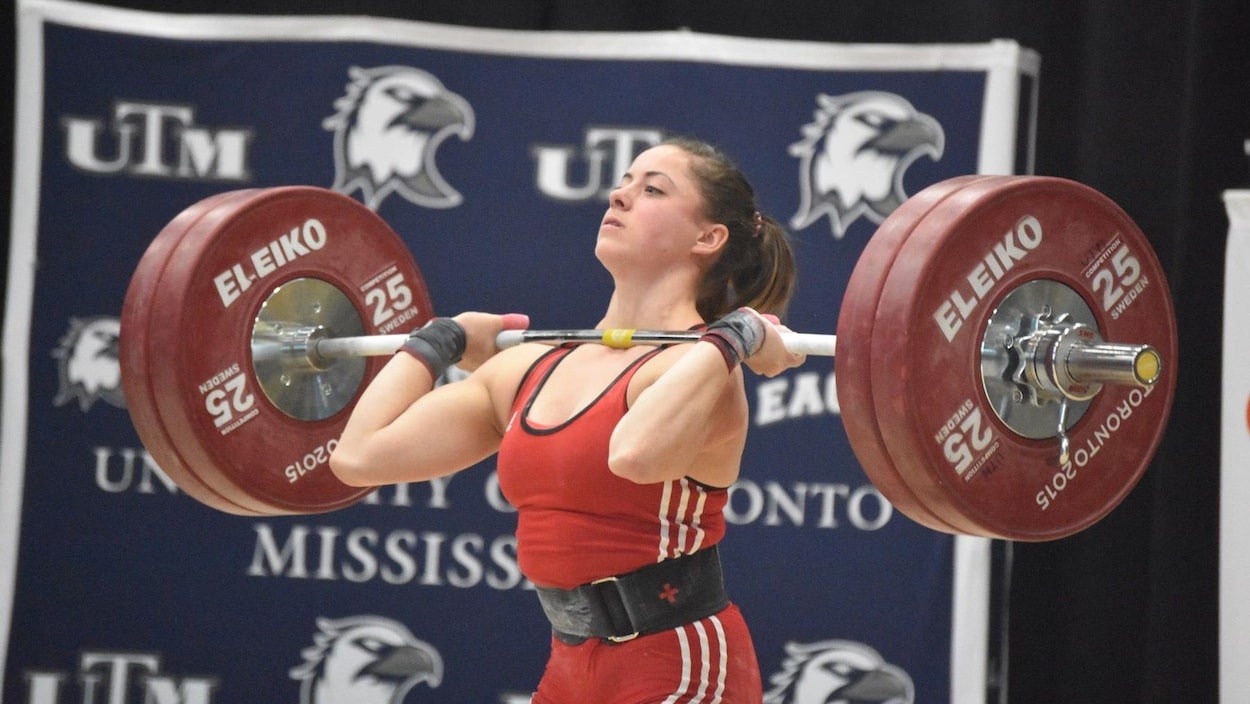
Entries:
{"x":1023,"y":332}
{"x":299,"y":383}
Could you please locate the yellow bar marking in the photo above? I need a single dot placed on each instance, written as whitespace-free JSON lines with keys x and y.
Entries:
{"x":620,"y":339}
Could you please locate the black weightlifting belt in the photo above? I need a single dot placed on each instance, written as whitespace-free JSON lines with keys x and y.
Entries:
{"x":650,"y":599}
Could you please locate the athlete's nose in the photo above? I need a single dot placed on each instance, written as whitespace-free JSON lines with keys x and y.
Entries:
{"x":619,"y":198}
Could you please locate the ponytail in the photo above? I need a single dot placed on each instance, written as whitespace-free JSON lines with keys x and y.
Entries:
{"x":756,"y":267}
{"x":767,"y":285}
{"x":756,"y":271}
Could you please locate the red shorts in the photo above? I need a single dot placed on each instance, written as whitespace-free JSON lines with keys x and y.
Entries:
{"x":710,"y":661}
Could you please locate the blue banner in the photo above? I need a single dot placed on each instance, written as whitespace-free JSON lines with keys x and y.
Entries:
{"x":117,"y":587}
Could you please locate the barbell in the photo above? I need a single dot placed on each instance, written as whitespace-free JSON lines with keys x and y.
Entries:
{"x":1005,"y":350}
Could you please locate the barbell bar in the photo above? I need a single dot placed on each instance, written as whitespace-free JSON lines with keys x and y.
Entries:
{"x":382,"y":345}
{"x":1070,"y":362}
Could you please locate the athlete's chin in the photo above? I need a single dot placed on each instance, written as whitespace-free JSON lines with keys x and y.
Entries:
{"x":613,"y":255}
{"x":604,"y":246}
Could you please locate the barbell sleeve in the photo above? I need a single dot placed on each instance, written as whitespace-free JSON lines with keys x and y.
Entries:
{"x":1131,"y":365}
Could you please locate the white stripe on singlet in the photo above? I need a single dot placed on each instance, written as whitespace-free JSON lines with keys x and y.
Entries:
{"x":724,"y":660}
{"x":685,"y":666}
{"x":681,"y":518}
{"x":705,"y":662}
{"x":664,"y":521}
{"x":705,"y":665}
{"x":697,"y":522}
{"x":679,"y":542}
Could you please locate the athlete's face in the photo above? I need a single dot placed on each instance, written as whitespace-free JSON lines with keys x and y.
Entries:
{"x":656,"y":212}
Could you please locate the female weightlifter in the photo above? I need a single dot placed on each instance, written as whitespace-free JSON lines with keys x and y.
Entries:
{"x":618,"y":461}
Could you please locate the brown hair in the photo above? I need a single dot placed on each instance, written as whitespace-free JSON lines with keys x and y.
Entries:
{"x":756,"y":267}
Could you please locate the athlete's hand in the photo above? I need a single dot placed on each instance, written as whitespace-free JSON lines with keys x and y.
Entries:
{"x":772,"y":357}
{"x":480,"y":331}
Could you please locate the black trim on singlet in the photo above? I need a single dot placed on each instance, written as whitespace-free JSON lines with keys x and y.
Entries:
{"x":538,"y":387}
{"x":705,"y":486}
{"x":534,"y":365}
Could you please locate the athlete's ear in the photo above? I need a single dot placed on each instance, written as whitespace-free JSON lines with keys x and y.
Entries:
{"x":712,"y":239}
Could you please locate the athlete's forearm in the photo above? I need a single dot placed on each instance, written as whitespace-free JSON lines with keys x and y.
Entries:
{"x":692,"y":405}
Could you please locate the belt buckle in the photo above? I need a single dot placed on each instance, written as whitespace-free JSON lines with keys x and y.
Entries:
{"x":615,"y":639}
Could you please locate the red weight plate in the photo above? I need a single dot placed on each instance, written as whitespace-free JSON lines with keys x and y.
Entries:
{"x":137,"y":362}
{"x":853,"y":358}
{"x":957,"y":266}
{"x":214,"y":286}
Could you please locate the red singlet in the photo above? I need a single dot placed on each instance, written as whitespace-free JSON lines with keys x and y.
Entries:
{"x":578,"y":522}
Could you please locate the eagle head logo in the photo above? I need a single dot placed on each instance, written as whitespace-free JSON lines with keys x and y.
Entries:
{"x":387,"y":130}
{"x":364,"y":660}
{"x":853,"y":156}
{"x":88,"y":361}
{"x":838,"y":672}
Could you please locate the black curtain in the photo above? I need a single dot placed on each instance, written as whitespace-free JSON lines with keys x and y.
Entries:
{"x":1146,"y":101}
